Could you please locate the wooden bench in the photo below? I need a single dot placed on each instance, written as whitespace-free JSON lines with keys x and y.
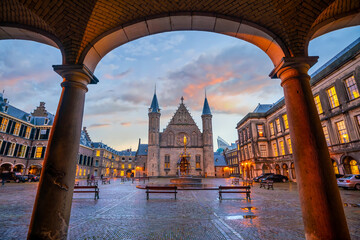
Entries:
{"x":235,"y":181}
{"x":234,"y":189}
{"x":267,"y":184}
{"x":160,"y":189}
{"x":248,"y":183}
{"x":87,"y":189}
{"x":91,"y":182}
{"x":140,"y":179}
{"x":105,"y":181}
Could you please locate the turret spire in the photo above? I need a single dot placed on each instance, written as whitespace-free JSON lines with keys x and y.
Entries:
{"x":206,"y":108}
{"x":154,"y":104}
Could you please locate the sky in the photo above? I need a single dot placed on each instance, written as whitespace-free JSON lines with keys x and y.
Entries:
{"x":234,"y":74}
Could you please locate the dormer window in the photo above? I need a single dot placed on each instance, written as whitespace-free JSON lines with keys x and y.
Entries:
{"x":46,"y":121}
{"x":28,"y":118}
{"x":6,"y":109}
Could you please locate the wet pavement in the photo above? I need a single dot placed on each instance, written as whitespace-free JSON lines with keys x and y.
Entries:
{"x":122,"y":212}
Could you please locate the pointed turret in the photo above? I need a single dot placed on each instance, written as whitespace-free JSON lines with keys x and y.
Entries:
{"x":154,"y":105}
{"x":206,"y":108}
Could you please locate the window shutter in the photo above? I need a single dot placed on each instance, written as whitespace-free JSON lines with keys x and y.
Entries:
{"x":47,"y":134}
{"x":7,"y":148}
{"x":27,"y":151}
{"x":1,"y":118}
{"x":3,"y":147}
{"x":9,"y":126}
{"x":16,"y":150}
{"x":37,"y":134}
{"x":43,"y":152}
{"x":33,"y":152}
{"x":32,"y":133}
{"x":21,"y":133}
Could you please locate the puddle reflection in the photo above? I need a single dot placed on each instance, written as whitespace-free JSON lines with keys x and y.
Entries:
{"x":236,"y":217}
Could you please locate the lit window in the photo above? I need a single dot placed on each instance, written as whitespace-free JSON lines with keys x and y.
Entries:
{"x":275,"y":150}
{"x":326,"y":133}
{"x":129,"y":165}
{"x":38,"y":152}
{"x":17,"y":129}
{"x":167,"y":162}
{"x":198,"y":162}
{"x":344,"y":137}
{"x":22,"y":151}
{"x":336,"y":169}
{"x":286,"y":123}
{"x":80,"y":172}
{"x":354,"y":167}
{"x":318,"y":104}
{"x":98,"y":153}
{"x":11,"y":149}
{"x":122,"y":166}
{"x":272,"y":132}
{"x":122,"y":173}
{"x":263,"y":152}
{"x":334,"y":102}
{"x":4,"y":124}
{"x":260,"y":129}
{"x":28,"y":131}
{"x":351,"y":87}
{"x":278,"y":127}
{"x":282,"y":147}
{"x":290,"y":146}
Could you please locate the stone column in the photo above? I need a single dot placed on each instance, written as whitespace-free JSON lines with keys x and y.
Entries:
{"x":322,"y":208}
{"x":51,"y":213}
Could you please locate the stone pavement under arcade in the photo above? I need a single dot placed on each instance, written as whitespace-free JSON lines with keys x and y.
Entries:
{"x":122,"y":212}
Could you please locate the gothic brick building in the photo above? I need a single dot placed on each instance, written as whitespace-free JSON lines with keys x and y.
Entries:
{"x":164,"y":148}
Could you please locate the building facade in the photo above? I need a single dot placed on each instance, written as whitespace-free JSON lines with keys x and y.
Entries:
{"x":164,"y":148}
{"x":24,"y":138}
{"x":264,"y":137}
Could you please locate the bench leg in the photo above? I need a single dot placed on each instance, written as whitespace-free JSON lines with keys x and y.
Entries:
{"x":175,"y":195}
{"x":147,"y":196}
{"x":220,"y":196}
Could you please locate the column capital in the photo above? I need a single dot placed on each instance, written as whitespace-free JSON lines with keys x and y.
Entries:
{"x":292,"y":62}
{"x":72,"y":72}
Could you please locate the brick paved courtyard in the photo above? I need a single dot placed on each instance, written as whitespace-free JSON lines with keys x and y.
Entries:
{"x":122,"y":212}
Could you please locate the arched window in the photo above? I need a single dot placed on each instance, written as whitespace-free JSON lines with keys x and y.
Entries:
{"x":277,"y":169}
{"x":336,"y":169}
{"x":293,"y":174}
{"x":354,"y":167}
{"x":285,"y":170}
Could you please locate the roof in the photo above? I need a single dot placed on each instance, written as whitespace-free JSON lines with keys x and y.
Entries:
{"x":219,"y":160}
{"x":222,"y":143}
{"x":206,"y":108}
{"x":261,"y":108}
{"x":154,"y":108}
{"x":142,"y":150}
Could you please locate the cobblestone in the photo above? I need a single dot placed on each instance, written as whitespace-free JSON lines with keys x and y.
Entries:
{"x":122,"y":212}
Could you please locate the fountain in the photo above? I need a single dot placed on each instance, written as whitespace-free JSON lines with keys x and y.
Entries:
{"x":184,"y":168}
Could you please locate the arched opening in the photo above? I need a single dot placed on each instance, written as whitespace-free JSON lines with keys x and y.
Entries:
{"x":285,"y":170}
{"x":350,"y":165}
{"x":6,"y":167}
{"x":266,"y":168}
{"x":35,"y":170}
{"x":293,"y":173}
{"x":335,"y":166}
{"x":19,"y":168}
{"x":277,"y":169}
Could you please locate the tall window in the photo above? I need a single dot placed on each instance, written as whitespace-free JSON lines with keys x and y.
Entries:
{"x":286,"y":123}
{"x":351,"y":87}
{"x":263,"y":152}
{"x":122,"y":166}
{"x":344,"y":137}
{"x":318,"y":104}
{"x":278,"y":127}
{"x":98,"y":153}
{"x":260,"y":129}
{"x":17,"y":129}
{"x":129,"y":166}
{"x":336,"y":169}
{"x":275,"y":150}
{"x":21,"y":152}
{"x":289,"y":145}
{"x":334,"y":102}
{"x":11,"y":149}
{"x":28,"y":131}
{"x":167,"y":162}
{"x":198,"y":162}
{"x":282,"y":147}
{"x":272,"y":132}
{"x":38,"y":152}
{"x":326,"y":133}
{"x":4,"y":124}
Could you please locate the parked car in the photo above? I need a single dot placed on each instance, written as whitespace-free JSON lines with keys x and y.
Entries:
{"x":33,"y":178}
{"x":14,"y":176}
{"x":275,"y":178}
{"x":339,"y":175}
{"x":258,"y":178}
{"x":349,"y":181}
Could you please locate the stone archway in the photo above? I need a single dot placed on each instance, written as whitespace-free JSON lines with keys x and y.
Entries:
{"x":6,"y":167}
{"x":285,"y":170}
{"x":293,"y":173}
{"x":335,"y":166}
{"x":19,"y":168}
{"x":351,"y":166}
{"x":35,"y":170}
{"x":277,"y":169}
{"x":266,"y":168}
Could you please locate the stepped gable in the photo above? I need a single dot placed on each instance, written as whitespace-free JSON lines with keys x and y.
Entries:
{"x":182,"y":116}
